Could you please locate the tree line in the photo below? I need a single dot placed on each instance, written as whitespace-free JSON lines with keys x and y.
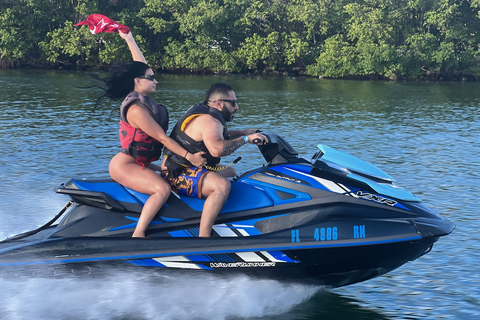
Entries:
{"x":381,"y":39}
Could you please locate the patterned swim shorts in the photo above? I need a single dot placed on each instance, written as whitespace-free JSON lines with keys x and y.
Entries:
{"x":189,"y":183}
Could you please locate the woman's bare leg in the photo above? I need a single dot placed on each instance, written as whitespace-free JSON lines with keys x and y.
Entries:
{"x":124,"y":170}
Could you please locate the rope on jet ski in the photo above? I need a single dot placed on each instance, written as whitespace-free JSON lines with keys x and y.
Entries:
{"x":48,"y":224}
{"x":218,"y":168}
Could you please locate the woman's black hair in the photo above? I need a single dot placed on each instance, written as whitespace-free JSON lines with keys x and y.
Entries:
{"x":121,"y":80}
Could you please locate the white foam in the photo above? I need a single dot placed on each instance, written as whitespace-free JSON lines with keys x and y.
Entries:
{"x":138,"y":296}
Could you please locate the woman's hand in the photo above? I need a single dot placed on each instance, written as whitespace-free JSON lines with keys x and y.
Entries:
{"x":125,"y":36}
{"x":197,"y":159}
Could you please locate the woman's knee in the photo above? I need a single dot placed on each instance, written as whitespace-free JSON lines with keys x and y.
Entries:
{"x":162,"y":188}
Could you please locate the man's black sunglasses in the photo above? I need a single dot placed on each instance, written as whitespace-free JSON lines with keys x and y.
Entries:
{"x":149,"y":77}
{"x":233,"y":102}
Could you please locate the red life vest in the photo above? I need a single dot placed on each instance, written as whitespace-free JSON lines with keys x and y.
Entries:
{"x":134,"y":141}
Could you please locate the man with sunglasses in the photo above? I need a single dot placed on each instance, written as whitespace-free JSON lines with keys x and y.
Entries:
{"x":203,"y":127}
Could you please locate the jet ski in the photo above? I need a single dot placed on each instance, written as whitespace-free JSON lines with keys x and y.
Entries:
{"x":334,"y":220}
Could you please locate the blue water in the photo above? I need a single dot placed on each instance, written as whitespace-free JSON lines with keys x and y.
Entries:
{"x":425,"y":135}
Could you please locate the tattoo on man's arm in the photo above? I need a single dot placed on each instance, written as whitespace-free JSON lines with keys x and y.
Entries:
{"x":230,"y":146}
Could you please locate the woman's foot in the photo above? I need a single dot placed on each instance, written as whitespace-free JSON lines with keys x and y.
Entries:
{"x":138,"y":235}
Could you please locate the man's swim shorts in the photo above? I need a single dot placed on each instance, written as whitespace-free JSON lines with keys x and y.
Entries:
{"x":189,"y":182}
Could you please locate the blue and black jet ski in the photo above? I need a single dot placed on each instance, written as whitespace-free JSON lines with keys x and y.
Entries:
{"x":335,"y":219}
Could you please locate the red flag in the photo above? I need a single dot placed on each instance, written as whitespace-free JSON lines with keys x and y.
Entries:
{"x":99,"y":23}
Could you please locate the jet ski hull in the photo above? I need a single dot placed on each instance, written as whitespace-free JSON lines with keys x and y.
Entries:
{"x":335,"y":264}
{"x":319,"y":252}
{"x":334,"y":221}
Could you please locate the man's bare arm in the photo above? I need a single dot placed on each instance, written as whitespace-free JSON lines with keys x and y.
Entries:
{"x":239,"y":133}
{"x":211,"y":132}
{"x":229,"y":146}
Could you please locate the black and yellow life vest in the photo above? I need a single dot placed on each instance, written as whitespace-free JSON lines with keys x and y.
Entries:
{"x":176,"y":163}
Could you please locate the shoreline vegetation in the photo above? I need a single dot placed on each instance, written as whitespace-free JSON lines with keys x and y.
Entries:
{"x":346,"y":39}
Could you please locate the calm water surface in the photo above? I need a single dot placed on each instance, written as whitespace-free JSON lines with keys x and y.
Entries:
{"x":426,"y":135}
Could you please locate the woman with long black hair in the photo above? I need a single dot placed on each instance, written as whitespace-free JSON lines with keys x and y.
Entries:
{"x":143,"y":127}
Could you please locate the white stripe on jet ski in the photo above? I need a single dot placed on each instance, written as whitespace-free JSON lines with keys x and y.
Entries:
{"x":243,"y":232}
{"x":250,"y":256}
{"x":181,"y":265}
{"x":224,"y":231}
{"x":175,"y":194}
{"x":172,"y":259}
{"x":349,"y":192}
{"x":270,"y":257}
{"x":332,"y":186}
{"x":177,"y":262}
{"x":241,"y":225}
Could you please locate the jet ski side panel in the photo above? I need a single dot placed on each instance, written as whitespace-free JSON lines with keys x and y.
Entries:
{"x":338,"y":221}
{"x":332,"y":253}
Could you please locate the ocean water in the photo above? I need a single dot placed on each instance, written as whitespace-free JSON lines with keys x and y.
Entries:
{"x":425,"y":135}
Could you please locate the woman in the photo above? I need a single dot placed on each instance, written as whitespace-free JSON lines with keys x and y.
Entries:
{"x":143,"y":127}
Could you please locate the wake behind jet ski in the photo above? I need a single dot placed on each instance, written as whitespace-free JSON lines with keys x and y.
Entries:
{"x":336,"y":220}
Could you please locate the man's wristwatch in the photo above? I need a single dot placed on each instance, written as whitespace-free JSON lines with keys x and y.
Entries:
{"x":245,"y":138}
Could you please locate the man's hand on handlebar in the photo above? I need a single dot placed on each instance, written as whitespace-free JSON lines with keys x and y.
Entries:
{"x":258,"y":139}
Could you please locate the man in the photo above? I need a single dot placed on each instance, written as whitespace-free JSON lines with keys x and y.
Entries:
{"x":204,"y":128}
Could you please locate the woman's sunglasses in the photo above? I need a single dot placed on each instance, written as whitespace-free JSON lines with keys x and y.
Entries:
{"x":149,"y":77}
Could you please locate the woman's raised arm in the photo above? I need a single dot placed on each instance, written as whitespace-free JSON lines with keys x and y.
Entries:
{"x":137,"y":55}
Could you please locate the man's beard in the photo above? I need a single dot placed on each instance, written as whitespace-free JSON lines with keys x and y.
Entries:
{"x":227,"y":115}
